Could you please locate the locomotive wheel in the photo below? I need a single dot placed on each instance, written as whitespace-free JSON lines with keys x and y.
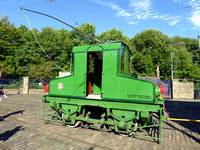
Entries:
{"x":77,"y":123}
{"x":74,"y":126}
{"x":123,"y":134}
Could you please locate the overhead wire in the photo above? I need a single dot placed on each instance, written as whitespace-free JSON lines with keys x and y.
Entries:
{"x":173,"y":9}
{"x":39,"y":42}
{"x":64,"y":11}
{"x":33,"y":4}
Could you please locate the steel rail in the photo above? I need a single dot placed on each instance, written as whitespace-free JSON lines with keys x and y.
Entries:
{"x":176,"y":119}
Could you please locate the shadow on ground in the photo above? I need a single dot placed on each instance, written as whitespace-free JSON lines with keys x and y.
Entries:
{"x":10,"y":114}
{"x":6,"y":135}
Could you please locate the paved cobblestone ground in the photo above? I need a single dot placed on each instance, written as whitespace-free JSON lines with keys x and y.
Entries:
{"x":22,"y":128}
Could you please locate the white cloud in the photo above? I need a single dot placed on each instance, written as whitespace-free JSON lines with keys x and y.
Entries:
{"x":182,"y":29}
{"x":140,"y":4}
{"x":120,"y":11}
{"x":131,"y":22}
{"x":178,"y":1}
{"x":100,"y":2}
{"x":173,"y":22}
{"x":144,"y":10}
{"x":195,"y":14}
{"x":140,"y":10}
{"x":123,"y":13}
{"x":195,"y":18}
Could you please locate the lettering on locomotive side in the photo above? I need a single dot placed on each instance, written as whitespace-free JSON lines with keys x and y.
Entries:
{"x":139,"y":96}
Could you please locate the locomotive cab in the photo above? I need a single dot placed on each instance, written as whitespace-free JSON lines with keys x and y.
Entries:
{"x":95,"y":70}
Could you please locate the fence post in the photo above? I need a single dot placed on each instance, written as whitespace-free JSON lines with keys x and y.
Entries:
{"x":25,"y":85}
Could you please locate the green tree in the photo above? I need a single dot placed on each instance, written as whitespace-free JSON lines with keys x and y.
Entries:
{"x":192,"y":46}
{"x":9,"y":41}
{"x":80,"y":38}
{"x":42,"y":71}
{"x":56,"y":44}
{"x":113,"y":35}
{"x":152,"y":48}
{"x":182,"y":60}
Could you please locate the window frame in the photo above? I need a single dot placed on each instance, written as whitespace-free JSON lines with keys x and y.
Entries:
{"x":127,"y":60}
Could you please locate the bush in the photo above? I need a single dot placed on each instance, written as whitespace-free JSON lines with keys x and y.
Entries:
{"x":34,"y":85}
{"x":10,"y":87}
{"x":41,"y":87}
{"x":19,"y":83}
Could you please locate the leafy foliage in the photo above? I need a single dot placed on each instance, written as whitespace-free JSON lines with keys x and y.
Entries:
{"x":41,"y":71}
{"x":21,"y":55}
{"x":151,"y":50}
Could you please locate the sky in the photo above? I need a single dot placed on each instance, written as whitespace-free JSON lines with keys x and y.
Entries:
{"x":172,"y":17}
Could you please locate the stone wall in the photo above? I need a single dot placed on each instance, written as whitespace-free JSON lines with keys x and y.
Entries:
{"x":183,"y":90}
{"x":20,"y":91}
{"x":25,"y":89}
{"x":11,"y":91}
{"x":38,"y":91}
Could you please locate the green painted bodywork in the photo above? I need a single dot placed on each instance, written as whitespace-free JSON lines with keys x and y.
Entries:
{"x":125,"y":99}
{"x":116,"y":86}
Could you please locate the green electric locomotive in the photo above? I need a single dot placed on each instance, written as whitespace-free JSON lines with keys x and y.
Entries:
{"x":101,"y":94}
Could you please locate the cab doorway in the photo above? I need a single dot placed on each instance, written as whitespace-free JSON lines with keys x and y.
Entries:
{"x":94,"y":75}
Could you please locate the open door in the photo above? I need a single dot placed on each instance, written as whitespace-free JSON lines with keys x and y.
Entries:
{"x":94,"y":74}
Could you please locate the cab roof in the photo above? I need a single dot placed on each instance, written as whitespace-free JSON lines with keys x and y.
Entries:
{"x":110,"y":45}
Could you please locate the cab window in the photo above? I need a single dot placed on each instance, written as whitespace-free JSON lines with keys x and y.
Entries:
{"x":123,"y":58}
{"x":129,"y":60}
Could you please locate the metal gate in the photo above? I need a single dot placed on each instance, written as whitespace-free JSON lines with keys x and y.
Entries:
{"x":166,"y":85}
{"x":197,"y":91}
{"x":167,"y":89}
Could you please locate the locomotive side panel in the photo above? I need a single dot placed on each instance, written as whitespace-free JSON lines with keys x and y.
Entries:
{"x":109,"y":80}
{"x":119,"y":87}
{"x":136,"y":90}
{"x":73,"y":85}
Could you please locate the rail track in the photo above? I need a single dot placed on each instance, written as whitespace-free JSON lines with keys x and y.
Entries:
{"x":49,"y":132}
{"x":184,"y":135}
{"x":3,"y":147}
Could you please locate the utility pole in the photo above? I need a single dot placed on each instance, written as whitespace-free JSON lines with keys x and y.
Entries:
{"x":171,"y":76}
{"x":199,"y":44}
{"x":171,"y":66}
{"x":1,"y":71}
